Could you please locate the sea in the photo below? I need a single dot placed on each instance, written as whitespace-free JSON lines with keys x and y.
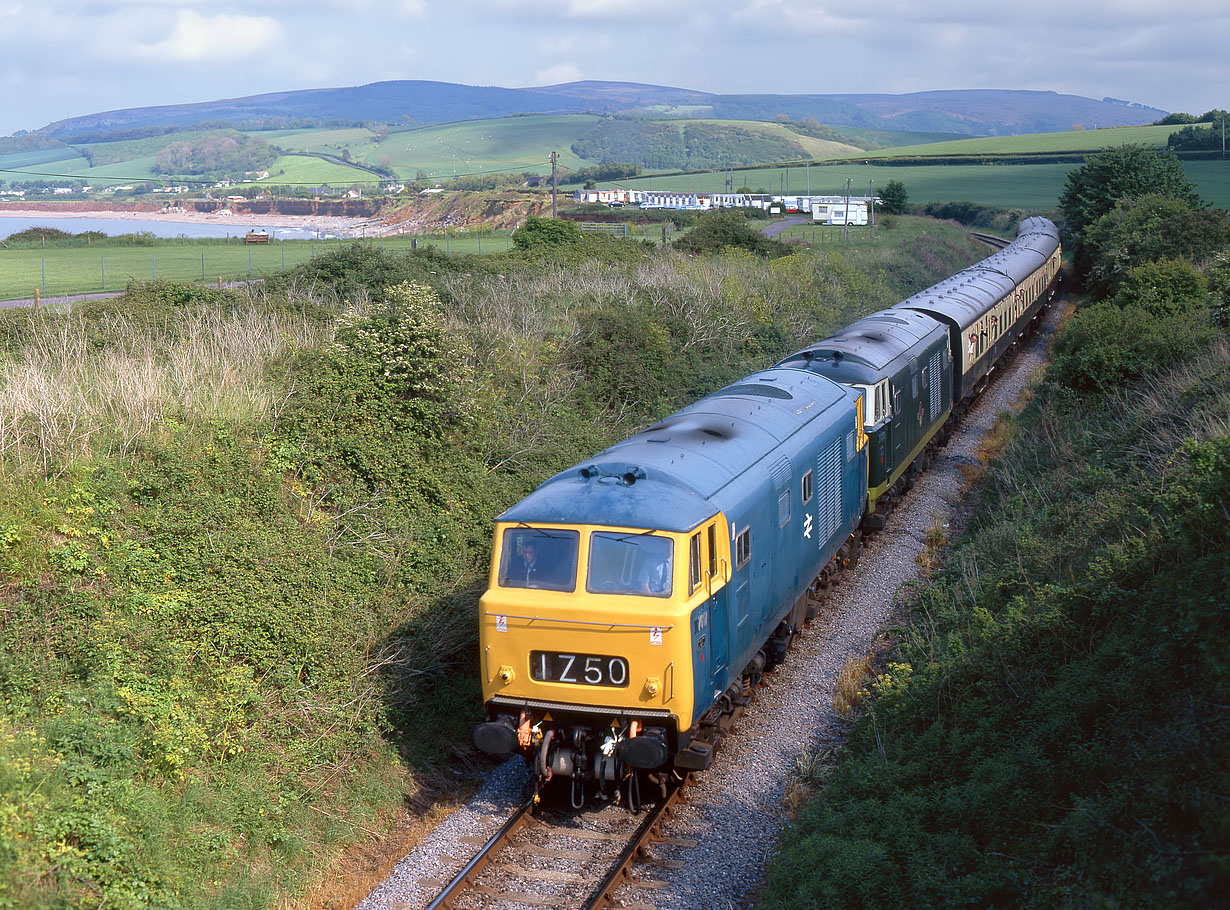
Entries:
{"x":113,"y":227}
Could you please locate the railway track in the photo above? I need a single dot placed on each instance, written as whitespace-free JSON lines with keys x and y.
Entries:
{"x":996,"y":243}
{"x":543,"y":857}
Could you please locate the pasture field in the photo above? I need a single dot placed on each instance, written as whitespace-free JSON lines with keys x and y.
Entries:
{"x":817,"y":148}
{"x":62,"y":271}
{"x":128,"y":149}
{"x":304,"y":169}
{"x":329,"y":141}
{"x":34,"y":158}
{"x":1027,"y":186}
{"x":1035,"y":186}
{"x":1070,"y":141}
{"x":484,"y":146}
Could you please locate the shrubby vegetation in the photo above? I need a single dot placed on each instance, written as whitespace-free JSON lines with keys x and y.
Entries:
{"x":722,"y":229}
{"x":1051,"y":729}
{"x":670,"y":144}
{"x":243,"y":535}
{"x":215,"y":156}
{"x":1130,"y":171}
{"x":608,"y":170}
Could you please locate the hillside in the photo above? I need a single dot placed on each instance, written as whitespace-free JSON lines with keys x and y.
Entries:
{"x":981,"y":112}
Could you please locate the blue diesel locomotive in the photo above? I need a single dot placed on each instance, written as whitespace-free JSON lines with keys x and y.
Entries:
{"x":634,"y":597}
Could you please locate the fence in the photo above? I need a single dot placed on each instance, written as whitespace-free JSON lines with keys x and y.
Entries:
{"x":614,"y":229}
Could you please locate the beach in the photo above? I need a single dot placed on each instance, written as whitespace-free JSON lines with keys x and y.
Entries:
{"x":309,"y":223}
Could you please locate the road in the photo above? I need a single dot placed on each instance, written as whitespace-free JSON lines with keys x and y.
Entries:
{"x":777,"y":227}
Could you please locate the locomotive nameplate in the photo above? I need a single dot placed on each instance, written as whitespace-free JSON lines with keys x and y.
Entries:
{"x":579,"y":669}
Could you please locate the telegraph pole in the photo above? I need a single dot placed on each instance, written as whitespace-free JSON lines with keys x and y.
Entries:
{"x":554,"y":158}
{"x":871,"y":201}
{"x":845,"y":228}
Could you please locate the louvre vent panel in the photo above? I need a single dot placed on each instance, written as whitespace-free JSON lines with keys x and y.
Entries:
{"x":781,"y":473}
{"x":935,"y":377}
{"x":828,"y":491}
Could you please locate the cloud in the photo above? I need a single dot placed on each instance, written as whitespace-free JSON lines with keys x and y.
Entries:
{"x":560,"y":72}
{"x":415,"y":9}
{"x":223,"y":37}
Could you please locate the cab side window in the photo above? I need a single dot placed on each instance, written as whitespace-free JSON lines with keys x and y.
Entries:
{"x":694,"y":578}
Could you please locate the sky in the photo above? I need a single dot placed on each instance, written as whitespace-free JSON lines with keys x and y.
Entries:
{"x":67,"y":58}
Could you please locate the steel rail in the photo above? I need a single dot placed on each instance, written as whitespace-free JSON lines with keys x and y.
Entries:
{"x":464,"y":878}
{"x":645,"y":833}
{"x":990,"y":240}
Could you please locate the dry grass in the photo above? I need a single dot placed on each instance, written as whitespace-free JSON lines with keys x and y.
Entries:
{"x":931,"y":556}
{"x":996,"y":438}
{"x":812,"y":771}
{"x":64,"y":397}
{"x":851,"y":690}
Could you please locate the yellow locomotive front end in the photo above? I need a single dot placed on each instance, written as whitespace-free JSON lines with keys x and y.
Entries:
{"x":587,"y":639}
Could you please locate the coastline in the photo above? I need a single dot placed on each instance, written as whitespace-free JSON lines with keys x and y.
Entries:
{"x":329,"y":223}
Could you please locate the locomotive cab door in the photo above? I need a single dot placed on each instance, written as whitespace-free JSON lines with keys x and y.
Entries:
{"x":719,"y":633}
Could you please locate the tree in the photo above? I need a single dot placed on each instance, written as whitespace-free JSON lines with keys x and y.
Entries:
{"x":894,"y":198}
{"x":1165,"y":288}
{"x":1143,"y":230}
{"x":721,"y":229}
{"x":1129,"y":171}
{"x":538,"y":233}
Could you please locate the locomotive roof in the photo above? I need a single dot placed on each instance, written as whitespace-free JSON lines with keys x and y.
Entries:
{"x":967,"y":295}
{"x":862,"y":351}
{"x":665,"y":477}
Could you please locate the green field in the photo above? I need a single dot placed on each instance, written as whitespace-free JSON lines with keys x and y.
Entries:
{"x":484,"y":146}
{"x":61,"y":271}
{"x":1071,"y":141}
{"x":305,"y":169}
{"x":1027,"y":186}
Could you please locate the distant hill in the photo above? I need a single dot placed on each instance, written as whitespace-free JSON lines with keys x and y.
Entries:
{"x":970,"y":113}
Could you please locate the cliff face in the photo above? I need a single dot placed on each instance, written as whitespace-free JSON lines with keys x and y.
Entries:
{"x":333,"y":208}
{"x":499,"y":211}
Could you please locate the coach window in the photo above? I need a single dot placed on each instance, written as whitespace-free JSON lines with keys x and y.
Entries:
{"x":713,"y":557}
{"x":743,"y":548}
{"x":807,"y":487}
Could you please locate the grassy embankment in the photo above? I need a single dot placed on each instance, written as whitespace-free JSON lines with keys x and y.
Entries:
{"x":1052,"y":729}
{"x":242,"y":535}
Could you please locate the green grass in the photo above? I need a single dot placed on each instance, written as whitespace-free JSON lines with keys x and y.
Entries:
{"x":1070,"y":141}
{"x":34,"y":159}
{"x":480,"y":146}
{"x":149,"y":147}
{"x":60,"y":271}
{"x":305,"y":169}
{"x":1029,"y":186}
{"x":330,"y":141}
